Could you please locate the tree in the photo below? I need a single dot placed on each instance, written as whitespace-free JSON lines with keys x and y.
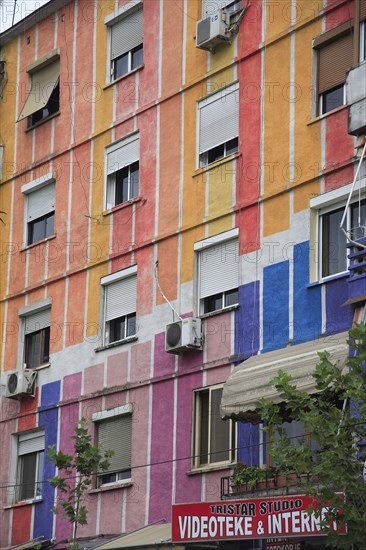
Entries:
{"x":76,"y":476}
{"x":334,"y":418}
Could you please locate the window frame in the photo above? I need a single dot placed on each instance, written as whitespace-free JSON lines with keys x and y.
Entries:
{"x":24,"y":313}
{"x":197,"y":430}
{"x":362,"y":50}
{"x":32,"y":187}
{"x":321,"y":100}
{"x":110,"y":179}
{"x":38,"y":471}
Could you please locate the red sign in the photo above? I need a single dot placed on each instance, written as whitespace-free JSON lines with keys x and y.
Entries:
{"x":246,"y":519}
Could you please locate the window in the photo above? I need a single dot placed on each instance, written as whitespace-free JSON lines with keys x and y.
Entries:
{"x":335,"y":57}
{"x":30,"y":465}
{"x":214,"y":438}
{"x":114,"y":432}
{"x":40,"y":210}
{"x":120,"y":305}
{"x":212,"y":6}
{"x":44,"y":96}
{"x":123,"y":171}
{"x":218,"y":272}
{"x":37,"y":338}
{"x":363,"y":39}
{"x":126,"y":40}
{"x":218,"y":123}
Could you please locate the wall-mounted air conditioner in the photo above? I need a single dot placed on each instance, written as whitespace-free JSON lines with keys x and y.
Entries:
{"x":213,"y":30}
{"x":20,"y":383}
{"x":183,"y":335}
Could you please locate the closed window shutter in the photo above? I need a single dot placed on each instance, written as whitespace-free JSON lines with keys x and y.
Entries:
{"x":115,"y":435}
{"x":37,"y":321}
{"x":363,"y":10}
{"x":120,"y":298}
{"x":31,"y":443}
{"x":211,"y":6}
{"x":41,"y":202}
{"x":219,"y":268}
{"x":127,"y":34}
{"x":335,"y":58}
{"x":127,"y":153}
{"x":219,"y":118}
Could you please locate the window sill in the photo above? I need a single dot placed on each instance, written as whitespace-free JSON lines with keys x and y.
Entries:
{"x":109,"y":84}
{"x":43,"y":121}
{"x":121,"y":206}
{"x":111,"y":487}
{"x":29,"y":246}
{"x":23,"y":503}
{"x":215,"y":164}
{"x":328,"y":279}
{"x":116,"y":344}
{"x":219,"y":311}
{"x":40,"y":367}
{"x":329,"y":113}
{"x":213,"y":468}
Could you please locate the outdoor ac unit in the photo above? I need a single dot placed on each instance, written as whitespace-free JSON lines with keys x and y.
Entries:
{"x":20,"y":383}
{"x":183,"y":335}
{"x":212,"y":31}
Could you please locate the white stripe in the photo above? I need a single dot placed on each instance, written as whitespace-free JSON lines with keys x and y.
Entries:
{"x":72,"y":103}
{"x":148,"y":458}
{"x":68,"y":231}
{"x":64,"y":325}
{"x":157,"y":161}
{"x":96,"y":19}
{"x":184,"y":44}
{"x":161,"y":18}
{"x":292,"y":107}
{"x":291,"y":281}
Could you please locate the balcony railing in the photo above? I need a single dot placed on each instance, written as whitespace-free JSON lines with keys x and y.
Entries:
{"x":356,"y":99}
{"x":280,"y":484}
{"x":357,"y":269}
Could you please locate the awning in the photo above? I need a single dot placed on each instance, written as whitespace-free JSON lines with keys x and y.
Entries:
{"x":250,"y":380}
{"x":152,"y":535}
{"x":34,"y":543}
{"x":44,"y":82}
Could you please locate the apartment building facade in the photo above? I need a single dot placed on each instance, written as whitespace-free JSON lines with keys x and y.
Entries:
{"x":168,"y":212}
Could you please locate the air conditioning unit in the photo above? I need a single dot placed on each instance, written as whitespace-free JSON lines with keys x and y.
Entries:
{"x":183,"y":335}
{"x":20,"y":383}
{"x":213,"y":30}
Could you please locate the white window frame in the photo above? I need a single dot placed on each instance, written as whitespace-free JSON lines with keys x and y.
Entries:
{"x":199,"y":247}
{"x":121,"y":13}
{"x":196,"y":433}
{"x":328,"y":202}
{"x":38,"y":475}
{"x":23,"y":313}
{"x":123,"y":410}
{"x":362,"y":41}
{"x":105,"y":281}
{"x":110,"y":180}
{"x":27,"y":189}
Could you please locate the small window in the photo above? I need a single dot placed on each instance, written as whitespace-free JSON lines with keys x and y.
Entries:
{"x":40,"y":213}
{"x":115,"y":434}
{"x":37,"y":338}
{"x":123,"y":174}
{"x":214,"y":438}
{"x":218,"y":274}
{"x":363,"y":40}
{"x":126,"y":43}
{"x":44,"y":97}
{"x":120,"y":306}
{"x":30,"y":465}
{"x":218,"y":121}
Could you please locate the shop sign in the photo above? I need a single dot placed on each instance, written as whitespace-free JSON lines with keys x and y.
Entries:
{"x":284,"y":545}
{"x":247,"y":519}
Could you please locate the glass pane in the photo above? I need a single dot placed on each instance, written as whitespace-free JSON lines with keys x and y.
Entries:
{"x":334,"y":251}
{"x":117,"y":329}
{"x":203,"y":398}
{"x":120,"y":66}
{"x":27,"y":477}
{"x":50,"y":225}
{"x":45,"y":349}
{"x":39,"y":477}
{"x":220,"y":430}
{"x":131,"y":324}
{"x":232,"y":146}
{"x":36,"y":230}
{"x":358,"y":226}
{"x":134,"y":177}
{"x":33,"y":349}
{"x":212,"y":303}
{"x":216,"y":153}
{"x":231,"y":297}
{"x":333,"y":99}
{"x":137,"y":57}
{"x":121,"y":193}
{"x":295,"y":431}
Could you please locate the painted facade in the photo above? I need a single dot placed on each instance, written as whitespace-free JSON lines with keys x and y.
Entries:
{"x":287,"y":155}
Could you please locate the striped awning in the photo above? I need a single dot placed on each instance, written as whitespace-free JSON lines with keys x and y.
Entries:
{"x":148,"y":537}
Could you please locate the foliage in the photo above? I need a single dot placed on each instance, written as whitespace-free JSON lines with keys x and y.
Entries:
{"x":334,"y":419}
{"x":249,"y":475}
{"x":75,"y":479}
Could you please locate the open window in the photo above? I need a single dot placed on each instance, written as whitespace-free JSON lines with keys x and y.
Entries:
{"x":39,"y":210}
{"x":30,"y":461}
{"x":123,"y":174}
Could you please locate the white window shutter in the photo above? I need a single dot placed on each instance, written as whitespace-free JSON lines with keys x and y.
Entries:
{"x":37,"y":321}
{"x":127,"y":34}
{"x":41,"y":202}
{"x":120,"y":298}
{"x":219,"y":118}
{"x":31,"y":442}
{"x":124,"y":155}
{"x":219,"y":268}
{"x":115,"y":435}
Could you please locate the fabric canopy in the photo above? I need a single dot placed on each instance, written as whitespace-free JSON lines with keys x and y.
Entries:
{"x":151,"y":535}
{"x":44,"y":81}
{"x":250,"y":380}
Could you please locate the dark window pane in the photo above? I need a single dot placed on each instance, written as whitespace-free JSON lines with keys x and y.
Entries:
{"x":216,"y":153}
{"x":39,"y":476}
{"x":203,"y":428}
{"x":137,"y":57}
{"x":121,"y":192}
{"x":37,"y":346}
{"x":120,"y":65}
{"x":134,"y":177}
{"x":233,"y":7}
{"x":117,"y":329}
{"x":131,"y":324}
{"x":232,"y":146}
{"x":36,"y":230}
{"x":358,"y":225}
{"x":220,"y":430}
{"x":334,"y":252}
{"x":108,"y":478}
{"x":231,"y":297}
{"x":50,"y":224}
{"x":333,"y":99}
{"x":45,"y":351}
{"x":52,"y":107}
{"x":27,"y":477}
{"x":212,"y":303}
